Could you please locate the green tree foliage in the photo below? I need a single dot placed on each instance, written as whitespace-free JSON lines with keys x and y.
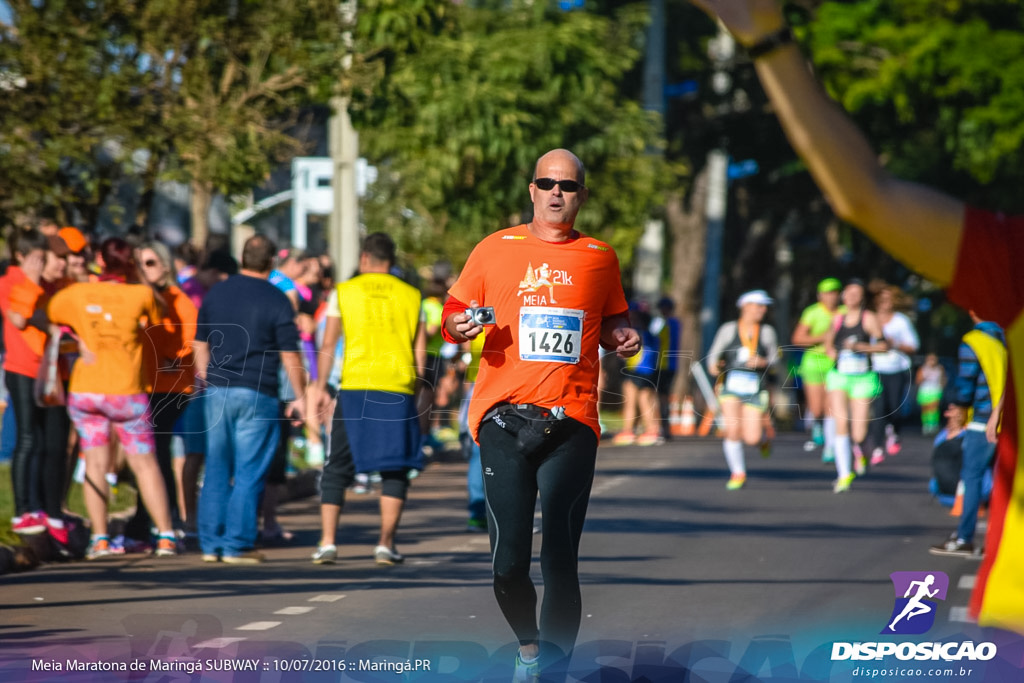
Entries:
{"x":68,"y":71}
{"x":230,"y":80}
{"x":938,"y":86}
{"x":206,"y":88}
{"x":461,"y":115}
{"x":934,"y":84}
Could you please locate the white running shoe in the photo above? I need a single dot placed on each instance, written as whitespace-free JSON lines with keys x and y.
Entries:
{"x":325,"y":554}
{"x":387,"y":556}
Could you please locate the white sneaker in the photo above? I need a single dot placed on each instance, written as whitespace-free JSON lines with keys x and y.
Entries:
{"x":325,"y":554}
{"x":526,"y":672}
{"x":387,"y":556}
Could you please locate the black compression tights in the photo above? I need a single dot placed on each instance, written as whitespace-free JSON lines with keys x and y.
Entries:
{"x":40,"y":454}
{"x":563,"y":476}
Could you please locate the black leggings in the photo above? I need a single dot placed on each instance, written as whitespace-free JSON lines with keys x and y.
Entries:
{"x":563,"y":474}
{"x":39,"y":460}
{"x":887,"y":408}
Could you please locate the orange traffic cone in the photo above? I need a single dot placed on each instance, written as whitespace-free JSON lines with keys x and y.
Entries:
{"x":958,"y":503}
{"x":707,"y":423}
{"x":674,"y":417}
{"x":688,"y":420}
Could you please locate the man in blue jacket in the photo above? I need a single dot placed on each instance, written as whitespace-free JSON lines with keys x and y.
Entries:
{"x":978,"y":387}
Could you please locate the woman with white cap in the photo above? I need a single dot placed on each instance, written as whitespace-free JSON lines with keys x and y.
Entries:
{"x":852,"y":384}
{"x":741,"y":354}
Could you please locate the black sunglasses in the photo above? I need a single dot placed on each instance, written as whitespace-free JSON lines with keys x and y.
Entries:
{"x":565,"y":185}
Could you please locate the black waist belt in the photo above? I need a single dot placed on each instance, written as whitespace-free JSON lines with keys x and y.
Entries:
{"x":532,"y":425}
{"x":527,"y":410}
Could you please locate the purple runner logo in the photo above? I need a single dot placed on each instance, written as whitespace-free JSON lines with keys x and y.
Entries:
{"x":913,"y":612}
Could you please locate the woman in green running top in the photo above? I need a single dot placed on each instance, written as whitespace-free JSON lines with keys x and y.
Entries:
{"x":810,"y":333}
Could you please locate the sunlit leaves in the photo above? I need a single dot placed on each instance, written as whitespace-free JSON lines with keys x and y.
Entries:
{"x":462,"y":116}
{"x":938,"y":85}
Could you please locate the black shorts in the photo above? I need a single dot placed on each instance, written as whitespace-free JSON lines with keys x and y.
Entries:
{"x":664,"y":381}
{"x":642,"y":381}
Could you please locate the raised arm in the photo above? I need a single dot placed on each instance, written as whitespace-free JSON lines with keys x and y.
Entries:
{"x":802,"y":336}
{"x":915,"y":223}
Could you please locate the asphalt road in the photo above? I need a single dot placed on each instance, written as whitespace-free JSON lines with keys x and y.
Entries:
{"x":677,"y":574}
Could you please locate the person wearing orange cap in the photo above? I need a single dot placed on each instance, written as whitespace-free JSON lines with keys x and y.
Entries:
{"x":78,"y":256}
{"x":74,"y":238}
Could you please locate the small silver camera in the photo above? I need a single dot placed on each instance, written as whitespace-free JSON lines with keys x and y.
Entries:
{"x":481,"y":315}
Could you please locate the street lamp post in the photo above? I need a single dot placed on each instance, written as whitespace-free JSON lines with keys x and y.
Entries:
{"x":344,"y":147}
{"x":721,"y":49}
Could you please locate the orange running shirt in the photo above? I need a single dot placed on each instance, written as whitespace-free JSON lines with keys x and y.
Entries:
{"x":549,"y":302}
{"x":18,"y":355}
{"x":106,"y":316}
{"x":168,"y":359}
{"x":24,"y":347}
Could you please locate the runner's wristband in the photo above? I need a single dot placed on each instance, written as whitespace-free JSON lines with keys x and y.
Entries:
{"x":770,"y":43}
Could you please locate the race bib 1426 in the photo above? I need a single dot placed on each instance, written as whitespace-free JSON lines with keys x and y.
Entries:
{"x":553,"y":335}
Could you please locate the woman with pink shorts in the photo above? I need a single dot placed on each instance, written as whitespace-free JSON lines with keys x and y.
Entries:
{"x":107,"y":388}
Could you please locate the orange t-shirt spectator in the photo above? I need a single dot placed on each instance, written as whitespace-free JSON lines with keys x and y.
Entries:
{"x":25,"y":347}
{"x":106,"y":316}
{"x":167,"y":352}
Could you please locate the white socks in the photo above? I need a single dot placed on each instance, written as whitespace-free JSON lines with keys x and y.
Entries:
{"x":830,"y":431}
{"x":734,"y":456}
{"x":843,"y":455}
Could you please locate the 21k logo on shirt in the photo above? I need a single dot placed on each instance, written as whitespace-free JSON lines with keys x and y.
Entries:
{"x":538,"y":284}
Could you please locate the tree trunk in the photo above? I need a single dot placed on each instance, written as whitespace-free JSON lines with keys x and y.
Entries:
{"x":688,"y":230}
{"x":144,"y":212}
{"x":202,"y":197}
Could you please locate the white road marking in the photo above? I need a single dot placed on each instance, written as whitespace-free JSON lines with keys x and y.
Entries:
{"x":295,"y":610}
{"x":609,"y":484}
{"x":967,"y":582}
{"x":326,"y":598}
{"x":959,"y":615}
{"x":218,"y":643}
{"x":259,"y":626}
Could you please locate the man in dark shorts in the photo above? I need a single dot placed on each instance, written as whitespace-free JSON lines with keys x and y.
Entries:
{"x":375,"y":426}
